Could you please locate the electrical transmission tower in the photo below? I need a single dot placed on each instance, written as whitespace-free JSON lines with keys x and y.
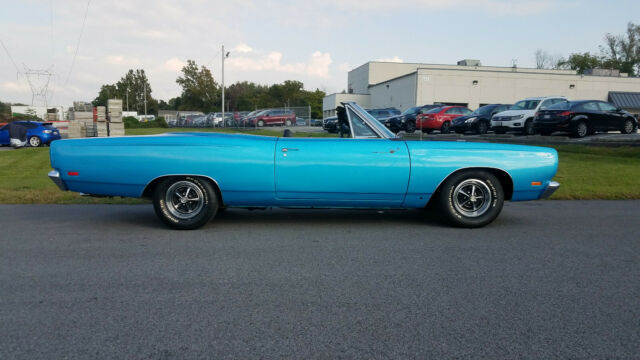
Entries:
{"x":39,"y":83}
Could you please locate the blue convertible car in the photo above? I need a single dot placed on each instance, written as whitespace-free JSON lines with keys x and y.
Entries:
{"x":191,"y":176}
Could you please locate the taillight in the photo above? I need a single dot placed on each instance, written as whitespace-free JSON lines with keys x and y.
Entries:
{"x":566,"y":113}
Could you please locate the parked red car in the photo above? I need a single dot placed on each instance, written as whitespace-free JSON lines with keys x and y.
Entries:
{"x":275,"y":117}
{"x":440,"y":118}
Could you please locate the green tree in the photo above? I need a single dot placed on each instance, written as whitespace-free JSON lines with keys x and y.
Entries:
{"x":134,"y":84}
{"x":581,"y":62}
{"x":199,"y":89}
{"x":623,"y":51}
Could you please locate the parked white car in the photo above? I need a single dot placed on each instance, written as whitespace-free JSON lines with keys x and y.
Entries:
{"x":520,"y":115}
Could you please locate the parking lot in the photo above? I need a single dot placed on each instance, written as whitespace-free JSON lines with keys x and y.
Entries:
{"x":549,"y":279}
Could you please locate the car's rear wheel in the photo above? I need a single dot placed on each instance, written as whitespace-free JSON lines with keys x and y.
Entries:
{"x":185,"y":203}
{"x":410,"y":128}
{"x":482,"y":127}
{"x":260,"y":123}
{"x":528,"y":128}
{"x":471,"y":198}
{"x":628,"y":126}
{"x":581,"y":130}
{"x":446,"y":127}
{"x":34,"y":141}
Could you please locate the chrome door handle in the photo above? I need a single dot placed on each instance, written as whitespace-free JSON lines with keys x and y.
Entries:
{"x":289,"y":149}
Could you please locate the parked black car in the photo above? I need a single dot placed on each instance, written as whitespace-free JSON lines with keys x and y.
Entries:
{"x":584,"y":117}
{"x":330,"y":124}
{"x":381,"y":114}
{"x":407,"y":120}
{"x":479,"y":121}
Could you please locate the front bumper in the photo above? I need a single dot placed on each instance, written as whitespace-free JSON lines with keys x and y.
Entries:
{"x":551,"y":188}
{"x":507,"y":125}
{"x":54,"y":175}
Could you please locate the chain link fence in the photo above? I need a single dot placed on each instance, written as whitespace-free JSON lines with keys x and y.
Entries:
{"x":272,"y":117}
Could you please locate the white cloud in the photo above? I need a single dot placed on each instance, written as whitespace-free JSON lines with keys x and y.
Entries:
{"x":394,"y":59}
{"x":122,"y":60}
{"x":173,"y":65}
{"x":316,"y":66}
{"x":14,"y":86}
{"x":242,"y":48}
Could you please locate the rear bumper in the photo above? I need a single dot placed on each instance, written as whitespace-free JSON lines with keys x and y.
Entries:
{"x":551,"y":188}
{"x":54,"y":175}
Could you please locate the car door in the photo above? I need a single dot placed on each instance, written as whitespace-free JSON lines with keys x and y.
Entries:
{"x":611,"y":117}
{"x":361,"y":171}
{"x":4,"y":135}
{"x":597,"y":118}
{"x":450,"y":114}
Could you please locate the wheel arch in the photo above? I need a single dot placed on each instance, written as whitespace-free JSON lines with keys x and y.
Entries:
{"x":503,"y":176}
{"x":147,"y":193}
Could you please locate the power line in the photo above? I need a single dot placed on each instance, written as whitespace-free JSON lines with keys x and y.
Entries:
{"x":73,"y":62}
{"x":10,"y":57}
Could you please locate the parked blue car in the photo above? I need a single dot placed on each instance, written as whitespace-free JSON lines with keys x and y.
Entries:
{"x":191,"y":176}
{"x":38,"y":133}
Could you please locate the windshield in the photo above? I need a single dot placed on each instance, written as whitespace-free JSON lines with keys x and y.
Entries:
{"x":483,"y":110}
{"x":373,"y":122}
{"x":434,"y":110}
{"x":565,"y":105}
{"x":525,"y":105}
{"x":410,"y":111}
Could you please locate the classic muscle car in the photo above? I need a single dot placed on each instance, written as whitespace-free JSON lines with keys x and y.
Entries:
{"x":192,"y":176}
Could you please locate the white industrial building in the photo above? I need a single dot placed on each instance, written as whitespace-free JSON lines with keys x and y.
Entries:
{"x":403,"y":85}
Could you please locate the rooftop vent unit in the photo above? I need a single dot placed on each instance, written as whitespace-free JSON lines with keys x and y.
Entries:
{"x":602,"y":72}
{"x":469,"y":62}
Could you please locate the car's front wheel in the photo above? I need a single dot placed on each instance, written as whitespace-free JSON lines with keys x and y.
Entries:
{"x":185,"y":203}
{"x":260,"y":123}
{"x":287,"y":122}
{"x":628,"y":126}
{"x":34,"y":141}
{"x":528,"y":128}
{"x":482,"y":127}
{"x":471,"y":198}
{"x":410,"y":127}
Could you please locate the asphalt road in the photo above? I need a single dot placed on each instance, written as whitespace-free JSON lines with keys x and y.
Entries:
{"x":548,"y":279}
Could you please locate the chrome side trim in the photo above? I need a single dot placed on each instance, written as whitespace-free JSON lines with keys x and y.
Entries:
{"x":551,"y":188}
{"x":54,"y":175}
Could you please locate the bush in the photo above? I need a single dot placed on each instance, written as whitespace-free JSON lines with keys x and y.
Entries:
{"x":132,"y":123}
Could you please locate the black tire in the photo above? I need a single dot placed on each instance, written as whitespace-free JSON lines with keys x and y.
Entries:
{"x":528,"y":128}
{"x":34,"y":141}
{"x":189,"y":214}
{"x":260,"y":123}
{"x":446,"y":127}
{"x":287,"y":122}
{"x":580,"y":130}
{"x":628,"y":127}
{"x":410,"y":127}
{"x":482,"y":127}
{"x":459,"y":212}
{"x":499,"y":132}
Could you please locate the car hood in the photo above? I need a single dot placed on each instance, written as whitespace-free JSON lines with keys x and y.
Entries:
{"x":515,"y":112}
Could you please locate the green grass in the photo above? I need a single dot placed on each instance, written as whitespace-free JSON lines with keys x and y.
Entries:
{"x":585,"y":172}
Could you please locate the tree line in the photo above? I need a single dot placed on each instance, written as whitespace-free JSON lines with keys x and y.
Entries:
{"x":200,"y":92}
{"x":619,"y":52}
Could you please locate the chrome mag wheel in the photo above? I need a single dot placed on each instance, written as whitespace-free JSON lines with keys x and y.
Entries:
{"x":472,"y":198}
{"x":184,"y":199}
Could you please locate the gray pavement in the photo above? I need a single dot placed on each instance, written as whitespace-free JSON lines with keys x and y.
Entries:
{"x":548,"y":279}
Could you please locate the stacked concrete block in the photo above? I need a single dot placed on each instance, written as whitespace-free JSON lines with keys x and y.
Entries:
{"x":102,"y":129}
{"x":116,"y":129}
{"x":74,"y":130}
{"x":101,"y":111}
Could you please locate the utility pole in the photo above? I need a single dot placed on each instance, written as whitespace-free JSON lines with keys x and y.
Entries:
{"x":127,"y":99}
{"x":224,"y":56}
{"x":145,"y":100}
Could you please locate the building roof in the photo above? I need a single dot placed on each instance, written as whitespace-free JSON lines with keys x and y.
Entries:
{"x":623,"y":99}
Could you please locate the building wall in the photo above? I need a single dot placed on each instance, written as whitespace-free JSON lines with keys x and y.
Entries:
{"x":435,"y":85}
{"x":399,"y":93}
{"x":358,"y":80}
{"x":330,"y":102}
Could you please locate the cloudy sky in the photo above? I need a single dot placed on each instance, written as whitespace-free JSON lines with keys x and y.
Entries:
{"x":313,"y":41}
